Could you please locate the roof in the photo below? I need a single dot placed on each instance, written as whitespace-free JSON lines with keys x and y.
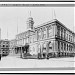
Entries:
{"x":54,"y":20}
{"x":46,"y":23}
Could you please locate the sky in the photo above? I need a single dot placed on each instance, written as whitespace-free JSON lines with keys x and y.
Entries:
{"x":10,"y":17}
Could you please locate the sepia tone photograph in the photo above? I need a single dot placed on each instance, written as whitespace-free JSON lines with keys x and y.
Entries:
{"x":37,"y":37}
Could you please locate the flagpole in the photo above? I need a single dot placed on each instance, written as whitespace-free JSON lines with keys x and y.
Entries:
{"x":54,"y":14}
{"x":17,"y":25}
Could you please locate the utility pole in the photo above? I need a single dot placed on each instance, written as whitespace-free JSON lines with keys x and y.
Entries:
{"x":30,"y":13}
{"x":17,"y":25}
{"x":7,"y":32}
{"x":53,"y":14}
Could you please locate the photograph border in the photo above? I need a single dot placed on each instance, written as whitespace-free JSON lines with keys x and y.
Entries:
{"x":35,"y":5}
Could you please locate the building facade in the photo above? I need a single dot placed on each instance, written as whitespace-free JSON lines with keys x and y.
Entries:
{"x":49,"y":39}
{"x":12,"y":44}
{"x":4,"y":47}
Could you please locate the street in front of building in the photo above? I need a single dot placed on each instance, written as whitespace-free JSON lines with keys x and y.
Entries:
{"x":17,"y":62}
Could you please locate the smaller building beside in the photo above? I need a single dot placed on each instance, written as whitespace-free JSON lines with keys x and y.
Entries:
{"x":4,"y":47}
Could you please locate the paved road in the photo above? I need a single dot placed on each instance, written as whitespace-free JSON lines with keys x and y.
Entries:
{"x":16,"y":62}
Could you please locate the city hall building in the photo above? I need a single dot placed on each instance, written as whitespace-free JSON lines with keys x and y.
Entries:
{"x":50,"y":39}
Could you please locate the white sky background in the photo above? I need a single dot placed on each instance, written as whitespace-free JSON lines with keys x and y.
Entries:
{"x":11,"y":16}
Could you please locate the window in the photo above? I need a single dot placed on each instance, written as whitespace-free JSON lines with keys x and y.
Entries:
{"x":69,"y":37}
{"x":50,"y":31}
{"x":64,"y":46}
{"x":44,"y":46}
{"x":33,"y":38}
{"x":39,"y":48}
{"x":61,"y":45}
{"x":64,"y":33}
{"x":67,"y":47}
{"x":61,"y":32}
{"x":58,"y":31}
{"x":27,"y":39}
{"x":30,"y":39}
{"x":39,"y":34}
{"x":50,"y":45}
{"x":44,"y":32}
{"x":58,"y":45}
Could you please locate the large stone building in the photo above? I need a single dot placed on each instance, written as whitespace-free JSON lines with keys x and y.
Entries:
{"x":49,"y":39}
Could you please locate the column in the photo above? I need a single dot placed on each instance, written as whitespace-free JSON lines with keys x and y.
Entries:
{"x":37,"y":34}
{"x":46,"y":32}
{"x":63,"y":33}
{"x":55,"y":30}
{"x":63,"y":47}
{"x":60,"y":32}
{"x":60,"y":47}
{"x":21,"y":51}
{"x":41,"y":49}
{"x":47,"y":48}
{"x":41,"y":33}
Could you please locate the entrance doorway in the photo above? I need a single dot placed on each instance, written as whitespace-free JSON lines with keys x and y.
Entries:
{"x":26,"y":47}
{"x":44,"y":55}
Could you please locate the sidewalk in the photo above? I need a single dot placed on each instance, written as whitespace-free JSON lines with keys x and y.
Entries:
{"x":16,"y":62}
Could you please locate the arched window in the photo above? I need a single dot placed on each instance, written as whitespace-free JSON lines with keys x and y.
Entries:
{"x":62,"y":45}
{"x":67,"y":47}
{"x":39,"y":34}
{"x":39,"y":48}
{"x":64,"y":34}
{"x":58,"y":45}
{"x":44,"y":46}
{"x":71,"y":48}
{"x":58,"y":30}
{"x":50,"y":45}
{"x":44,"y":32}
{"x":49,"y":31}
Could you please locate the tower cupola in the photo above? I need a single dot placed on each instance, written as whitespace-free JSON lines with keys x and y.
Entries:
{"x":30,"y":22}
